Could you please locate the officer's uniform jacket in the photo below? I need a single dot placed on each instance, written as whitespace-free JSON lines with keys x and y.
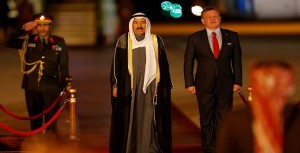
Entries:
{"x":55,"y":58}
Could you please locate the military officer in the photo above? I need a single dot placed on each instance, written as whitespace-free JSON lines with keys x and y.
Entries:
{"x":44,"y":59}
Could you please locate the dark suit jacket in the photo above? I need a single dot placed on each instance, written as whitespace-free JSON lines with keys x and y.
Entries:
{"x":222,"y":72}
{"x":236,"y":134}
{"x":55,"y":61}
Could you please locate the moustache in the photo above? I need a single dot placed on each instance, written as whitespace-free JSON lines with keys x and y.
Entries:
{"x":139,"y":28}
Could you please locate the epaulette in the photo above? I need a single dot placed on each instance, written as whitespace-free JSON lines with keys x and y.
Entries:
{"x":51,"y":39}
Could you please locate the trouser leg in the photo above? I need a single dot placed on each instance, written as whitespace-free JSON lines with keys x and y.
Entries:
{"x":34,"y":104}
{"x":212,"y":109}
{"x":206,"y":110}
{"x":224,"y":105}
{"x":49,"y":98}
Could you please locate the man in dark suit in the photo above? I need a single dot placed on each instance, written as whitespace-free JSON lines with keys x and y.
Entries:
{"x":218,"y":73}
{"x":44,"y":59}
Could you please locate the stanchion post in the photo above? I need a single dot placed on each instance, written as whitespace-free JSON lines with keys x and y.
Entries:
{"x":249,"y":94}
{"x":71,"y":90}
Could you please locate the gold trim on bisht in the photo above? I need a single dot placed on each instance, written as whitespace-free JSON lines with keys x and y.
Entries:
{"x":130,"y":68}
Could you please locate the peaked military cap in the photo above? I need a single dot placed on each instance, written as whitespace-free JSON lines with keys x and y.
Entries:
{"x":42,"y":18}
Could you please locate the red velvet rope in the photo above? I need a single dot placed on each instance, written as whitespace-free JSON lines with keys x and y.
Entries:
{"x":243,"y":98}
{"x":5,"y":127}
{"x":6,"y":111}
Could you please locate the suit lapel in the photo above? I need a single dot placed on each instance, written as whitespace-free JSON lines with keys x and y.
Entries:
{"x":224,"y":41}
{"x":205,"y":43}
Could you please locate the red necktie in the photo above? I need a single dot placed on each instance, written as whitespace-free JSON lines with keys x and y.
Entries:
{"x":215,"y":44}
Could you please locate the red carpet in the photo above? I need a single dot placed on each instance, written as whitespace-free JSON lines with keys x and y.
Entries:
{"x":186,"y":135}
{"x":186,"y":139}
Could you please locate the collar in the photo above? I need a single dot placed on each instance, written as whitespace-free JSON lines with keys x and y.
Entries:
{"x":217,"y":31}
{"x":47,"y":38}
{"x":139,"y":38}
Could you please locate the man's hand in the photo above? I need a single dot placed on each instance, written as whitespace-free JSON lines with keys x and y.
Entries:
{"x":191,"y":89}
{"x":114,"y":92}
{"x":236,"y":88}
{"x":29,"y":26}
